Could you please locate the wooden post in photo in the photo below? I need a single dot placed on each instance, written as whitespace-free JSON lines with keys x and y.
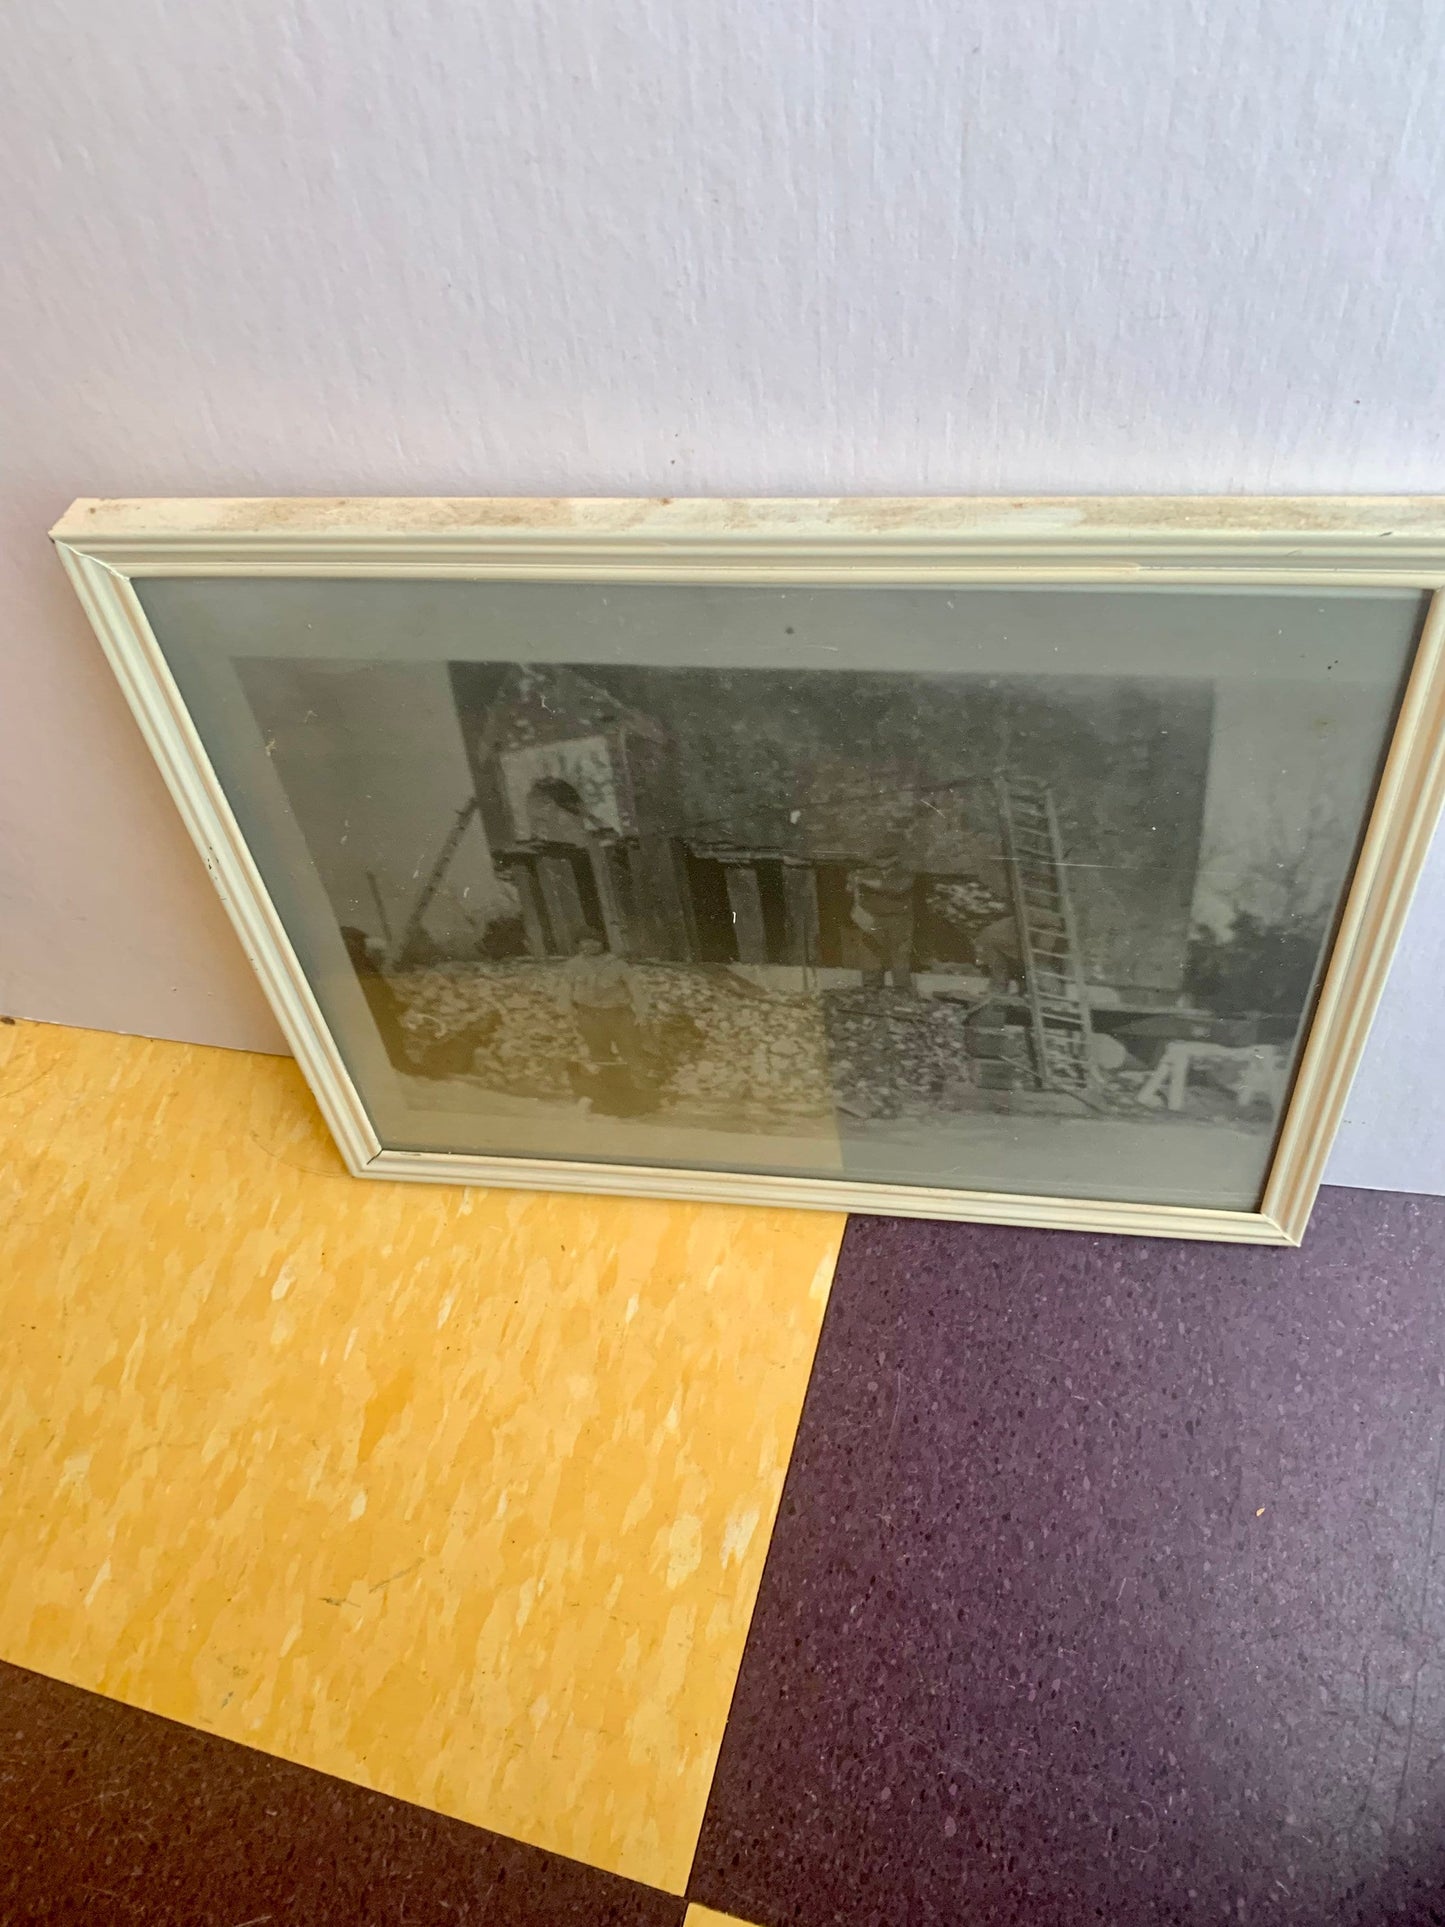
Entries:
{"x":745,"y":900}
{"x":613,"y":919}
{"x":661,"y":907}
{"x":521,"y":873}
{"x":563,"y":900}
{"x":800,"y":914}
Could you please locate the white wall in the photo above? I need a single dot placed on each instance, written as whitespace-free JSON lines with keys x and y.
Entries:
{"x":465,"y":246}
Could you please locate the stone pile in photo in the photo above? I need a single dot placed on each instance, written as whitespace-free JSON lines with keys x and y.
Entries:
{"x":762,"y":1052}
{"x":895,"y":1055}
{"x":756,"y":1051}
{"x":527,"y":1055}
{"x":757,"y":1054}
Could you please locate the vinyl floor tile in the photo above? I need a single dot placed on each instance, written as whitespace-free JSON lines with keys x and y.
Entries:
{"x":114,"y":1818}
{"x":460,"y":1495}
{"x":1108,"y":1586}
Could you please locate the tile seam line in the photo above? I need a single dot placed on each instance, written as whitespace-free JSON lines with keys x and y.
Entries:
{"x":687,"y":1895}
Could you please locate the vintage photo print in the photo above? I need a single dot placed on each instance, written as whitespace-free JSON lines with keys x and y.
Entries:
{"x":1022,"y":890}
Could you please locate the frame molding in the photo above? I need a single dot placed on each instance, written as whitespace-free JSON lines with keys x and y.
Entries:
{"x":1325,"y":542}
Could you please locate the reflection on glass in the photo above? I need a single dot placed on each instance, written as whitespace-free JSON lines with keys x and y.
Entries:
{"x":994,"y":926}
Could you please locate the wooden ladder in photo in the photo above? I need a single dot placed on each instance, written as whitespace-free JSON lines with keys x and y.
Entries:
{"x":1053,"y":980}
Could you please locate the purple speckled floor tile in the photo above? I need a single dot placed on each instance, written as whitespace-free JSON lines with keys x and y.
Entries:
{"x":115,"y":1818}
{"x":1106,"y":1587}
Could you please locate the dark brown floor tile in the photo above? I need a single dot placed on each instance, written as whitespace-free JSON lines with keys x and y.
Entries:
{"x":1107,"y":1588}
{"x":118,"y":1818}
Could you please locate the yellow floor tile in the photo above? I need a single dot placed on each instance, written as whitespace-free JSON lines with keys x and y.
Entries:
{"x":462,"y":1495}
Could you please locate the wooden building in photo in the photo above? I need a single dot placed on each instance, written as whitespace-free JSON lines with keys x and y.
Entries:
{"x":718,"y":815}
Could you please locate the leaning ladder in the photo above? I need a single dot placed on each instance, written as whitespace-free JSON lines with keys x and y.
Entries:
{"x":1053,"y":980}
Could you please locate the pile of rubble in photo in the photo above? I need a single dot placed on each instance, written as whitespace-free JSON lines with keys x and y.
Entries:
{"x":731,"y":1047}
{"x":722,"y":1045}
{"x":894,"y":1054}
{"x":743,"y":1050}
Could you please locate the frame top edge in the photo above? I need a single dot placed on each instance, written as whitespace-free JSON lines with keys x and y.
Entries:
{"x":1106,"y":518}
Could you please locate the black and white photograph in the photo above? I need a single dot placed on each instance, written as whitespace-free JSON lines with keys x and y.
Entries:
{"x":1023,"y":892}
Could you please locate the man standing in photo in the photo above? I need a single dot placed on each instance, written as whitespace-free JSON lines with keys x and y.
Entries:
{"x":879,"y":935}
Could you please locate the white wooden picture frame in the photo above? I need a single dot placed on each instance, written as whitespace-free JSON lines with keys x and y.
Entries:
{"x":1320,"y":552}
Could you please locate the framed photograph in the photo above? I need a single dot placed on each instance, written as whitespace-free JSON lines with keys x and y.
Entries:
{"x":1037,"y":862}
